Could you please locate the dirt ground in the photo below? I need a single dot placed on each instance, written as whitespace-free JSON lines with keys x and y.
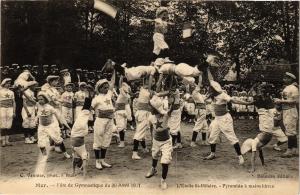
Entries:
{"x":186,"y":173}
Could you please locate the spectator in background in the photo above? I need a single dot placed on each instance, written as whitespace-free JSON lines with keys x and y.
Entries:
{"x":45,"y":74}
{"x":14,"y":71}
{"x":5,"y":72}
{"x":232,"y":74}
{"x":54,"y":69}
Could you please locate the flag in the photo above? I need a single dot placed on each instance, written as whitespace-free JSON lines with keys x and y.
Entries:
{"x":106,"y":7}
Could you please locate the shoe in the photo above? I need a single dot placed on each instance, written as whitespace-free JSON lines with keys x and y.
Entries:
{"x":135,"y":156}
{"x":163,"y":184}
{"x":151,"y":173}
{"x":295,"y":152}
{"x":287,"y":154}
{"x":8,"y":143}
{"x":33,"y":139}
{"x":28,"y":141}
{"x":52,"y":148}
{"x":241,"y":160}
{"x":276,"y":147}
{"x":122,"y":144}
{"x":3,"y":141}
{"x":179,"y":145}
{"x":211,"y":156}
{"x":57,"y":149}
{"x":193,"y":144}
{"x":175,"y":147}
{"x":67,"y":155}
{"x":106,"y":165}
{"x":98,"y":165}
{"x":117,"y":138}
{"x":91,"y":130}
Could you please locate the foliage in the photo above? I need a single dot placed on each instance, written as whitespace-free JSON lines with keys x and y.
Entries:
{"x":71,"y":32}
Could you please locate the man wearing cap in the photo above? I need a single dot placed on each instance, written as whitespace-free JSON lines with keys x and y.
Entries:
{"x":123,"y":111}
{"x":4,"y":72}
{"x":162,"y":141}
{"x":174,"y":122}
{"x":77,"y":76}
{"x":29,"y":113}
{"x":223,"y":121}
{"x":66,"y":76}
{"x":15,"y":71}
{"x":24,"y":79}
{"x":200,"y":110}
{"x":142,"y":119}
{"x":35,"y":73}
{"x":50,"y":89}
{"x":53,"y":69}
{"x":103,"y":127}
{"x":45,"y":73}
{"x":67,"y":105}
{"x":48,"y":126}
{"x":160,"y":47}
{"x":79,"y":98}
{"x":7,"y":110}
{"x":52,"y":92}
{"x":289,"y":104}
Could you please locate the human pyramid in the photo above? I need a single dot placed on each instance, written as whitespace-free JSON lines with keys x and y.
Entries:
{"x":157,"y":109}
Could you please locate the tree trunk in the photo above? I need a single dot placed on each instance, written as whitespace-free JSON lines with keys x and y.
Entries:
{"x":287,"y":30}
{"x":238,"y":66}
{"x":44,"y":23}
{"x":295,"y":47}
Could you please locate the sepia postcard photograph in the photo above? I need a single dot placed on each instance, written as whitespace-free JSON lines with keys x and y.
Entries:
{"x":149,"y":97}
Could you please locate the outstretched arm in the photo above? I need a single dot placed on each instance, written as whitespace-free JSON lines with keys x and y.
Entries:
{"x":236,"y":101}
{"x":293,"y":101}
{"x":112,"y":80}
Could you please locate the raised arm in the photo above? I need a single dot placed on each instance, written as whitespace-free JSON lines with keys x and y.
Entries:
{"x":112,"y":81}
{"x":158,"y":83}
{"x":209,"y":75}
{"x":121,"y":81}
{"x":200,"y":80}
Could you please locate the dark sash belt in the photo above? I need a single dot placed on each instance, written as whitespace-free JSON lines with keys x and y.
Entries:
{"x":144,"y":106}
{"x":162,"y":135}
{"x":106,"y":114}
{"x":120,"y":106}
{"x":220,"y":110}
{"x":200,"y":106}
